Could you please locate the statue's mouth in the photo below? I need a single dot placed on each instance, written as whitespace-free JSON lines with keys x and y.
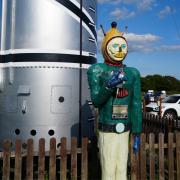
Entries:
{"x":119,"y":55}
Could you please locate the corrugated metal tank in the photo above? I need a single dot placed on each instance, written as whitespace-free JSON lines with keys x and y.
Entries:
{"x":46,"y":48}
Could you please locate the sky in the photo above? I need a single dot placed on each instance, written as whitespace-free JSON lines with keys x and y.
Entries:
{"x":152,"y":29}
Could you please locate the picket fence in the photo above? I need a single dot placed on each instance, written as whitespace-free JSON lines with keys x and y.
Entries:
{"x":154,"y":161}
{"x":53,"y":154}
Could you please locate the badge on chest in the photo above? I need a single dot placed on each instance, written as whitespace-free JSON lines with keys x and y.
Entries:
{"x":120,"y":112}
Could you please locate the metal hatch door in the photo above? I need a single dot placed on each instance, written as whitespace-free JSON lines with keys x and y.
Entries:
{"x":61,"y":99}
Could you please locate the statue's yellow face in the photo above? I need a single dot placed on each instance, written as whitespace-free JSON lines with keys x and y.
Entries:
{"x":117,"y":48}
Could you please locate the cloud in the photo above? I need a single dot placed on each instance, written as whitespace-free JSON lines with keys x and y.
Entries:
{"x":146,"y":48}
{"x":137,"y":38}
{"x":144,"y":5}
{"x":100,"y":35}
{"x":141,"y":5}
{"x":108,"y":1}
{"x":139,"y":48}
{"x":148,"y":43}
{"x":136,"y":42}
{"x":164,"y":12}
{"x":123,"y":13}
{"x":142,"y":43}
{"x":169,"y":48}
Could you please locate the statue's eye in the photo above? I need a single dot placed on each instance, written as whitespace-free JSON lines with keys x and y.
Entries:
{"x":115,"y":46}
{"x":123,"y":46}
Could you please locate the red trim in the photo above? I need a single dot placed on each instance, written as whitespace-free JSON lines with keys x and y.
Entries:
{"x":122,"y":93}
{"x":113,"y":64}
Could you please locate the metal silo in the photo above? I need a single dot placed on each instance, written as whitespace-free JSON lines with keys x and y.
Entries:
{"x":46,"y":47}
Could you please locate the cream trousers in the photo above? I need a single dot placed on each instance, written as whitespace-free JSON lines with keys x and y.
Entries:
{"x":113,"y":150}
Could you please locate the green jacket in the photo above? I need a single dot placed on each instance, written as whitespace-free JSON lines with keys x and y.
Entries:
{"x":104,"y":98}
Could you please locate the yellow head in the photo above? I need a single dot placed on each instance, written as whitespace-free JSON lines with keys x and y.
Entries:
{"x":114,"y":46}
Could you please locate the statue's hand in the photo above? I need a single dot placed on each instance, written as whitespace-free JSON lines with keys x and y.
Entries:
{"x":116,"y":79}
{"x":136,"y":144}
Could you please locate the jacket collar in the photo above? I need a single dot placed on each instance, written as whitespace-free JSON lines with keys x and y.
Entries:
{"x":110,"y":63}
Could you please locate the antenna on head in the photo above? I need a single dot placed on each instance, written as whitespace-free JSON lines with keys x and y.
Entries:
{"x":103,"y":30}
{"x":126,"y":29}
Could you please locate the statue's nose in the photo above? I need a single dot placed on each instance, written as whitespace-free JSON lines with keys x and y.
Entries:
{"x":120,"y":49}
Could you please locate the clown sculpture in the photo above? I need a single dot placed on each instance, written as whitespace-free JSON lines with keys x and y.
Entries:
{"x":115,"y":91}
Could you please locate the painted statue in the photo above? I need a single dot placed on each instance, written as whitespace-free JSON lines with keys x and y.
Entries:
{"x":115,"y":91}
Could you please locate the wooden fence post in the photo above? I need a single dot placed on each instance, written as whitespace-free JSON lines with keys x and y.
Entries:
{"x":149,"y":127}
{"x":143,"y":157}
{"x":152,"y":156}
{"x":134,"y":161}
{"x":74,"y":158}
{"x":162,"y":125}
{"x":41,"y":159}
{"x":161,"y":156}
{"x":6,"y":159}
{"x":170,"y":156}
{"x":18,"y":160}
{"x":52,"y":159}
{"x":178,"y":154}
{"x":84,"y":160}
{"x":144,"y":105}
{"x":29,"y":173}
{"x":176,"y":124}
{"x":157,"y":125}
{"x":170,"y":124}
{"x":63,"y":165}
{"x":144,"y":123}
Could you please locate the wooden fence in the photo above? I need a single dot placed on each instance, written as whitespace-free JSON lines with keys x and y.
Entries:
{"x":16,"y":171}
{"x":156,"y":124}
{"x":156,"y":161}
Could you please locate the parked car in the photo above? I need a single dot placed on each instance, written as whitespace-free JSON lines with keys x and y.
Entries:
{"x":150,"y":96}
{"x":170,"y":107}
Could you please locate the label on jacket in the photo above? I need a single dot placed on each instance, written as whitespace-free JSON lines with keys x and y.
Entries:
{"x":120,"y":111}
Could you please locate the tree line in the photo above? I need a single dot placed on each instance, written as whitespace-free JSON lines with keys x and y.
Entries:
{"x":158,"y":83}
